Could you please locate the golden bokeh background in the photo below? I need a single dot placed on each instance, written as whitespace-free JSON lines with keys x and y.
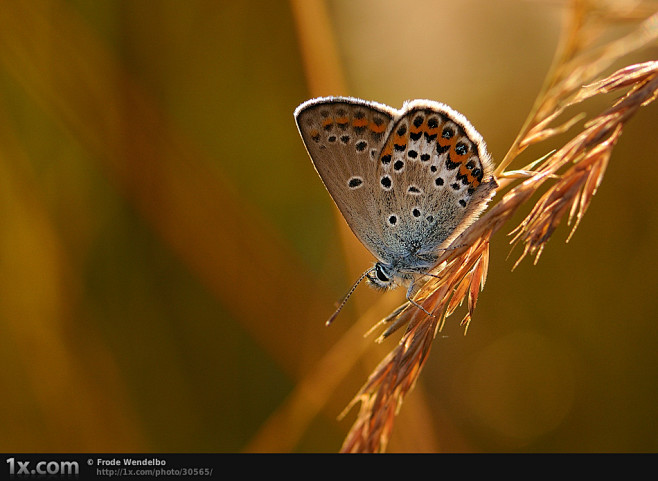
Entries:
{"x":168,"y":255}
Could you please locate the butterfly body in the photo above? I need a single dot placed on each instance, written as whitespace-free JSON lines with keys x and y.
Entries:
{"x":406,"y":181}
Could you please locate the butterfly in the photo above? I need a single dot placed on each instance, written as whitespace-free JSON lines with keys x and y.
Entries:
{"x":407,"y":181}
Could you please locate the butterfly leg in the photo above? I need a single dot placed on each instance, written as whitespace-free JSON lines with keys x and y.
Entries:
{"x":410,"y":294}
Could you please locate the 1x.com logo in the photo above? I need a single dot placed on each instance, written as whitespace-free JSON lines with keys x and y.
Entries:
{"x":22,"y":468}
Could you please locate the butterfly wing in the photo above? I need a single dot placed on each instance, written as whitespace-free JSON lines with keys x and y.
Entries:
{"x":439,"y":178}
{"x":344,"y":137}
{"x":407,"y":181}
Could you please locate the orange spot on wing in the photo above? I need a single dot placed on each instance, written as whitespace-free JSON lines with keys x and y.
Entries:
{"x":327,"y":122}
{"x":443,"y":141}
{"x":465,"y":171}
{"x":430,"y":131}
{"x":456,"y":157}
{"x":363,"y":122}
{"x":378,"y":129}
{"x":400,"y":140}
{"x":342,"y":120}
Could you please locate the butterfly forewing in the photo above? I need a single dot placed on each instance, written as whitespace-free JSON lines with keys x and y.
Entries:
{"x":344,"y":138}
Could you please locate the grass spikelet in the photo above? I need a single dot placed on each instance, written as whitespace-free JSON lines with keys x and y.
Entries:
{"x":570,"y":176}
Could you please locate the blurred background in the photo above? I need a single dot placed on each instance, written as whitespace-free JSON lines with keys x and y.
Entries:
{"x":168,"y":256}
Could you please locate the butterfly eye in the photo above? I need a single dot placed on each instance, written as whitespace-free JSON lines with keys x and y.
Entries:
{"x":381,"y":273}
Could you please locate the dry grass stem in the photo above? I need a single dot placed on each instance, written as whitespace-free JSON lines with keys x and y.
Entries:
{"x":570,"y":176}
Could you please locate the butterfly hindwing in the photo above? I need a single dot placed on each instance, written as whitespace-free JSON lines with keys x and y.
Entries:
{"x":441,"y":177}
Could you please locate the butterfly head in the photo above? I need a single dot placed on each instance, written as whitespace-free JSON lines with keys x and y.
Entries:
{"x":382,"y":276}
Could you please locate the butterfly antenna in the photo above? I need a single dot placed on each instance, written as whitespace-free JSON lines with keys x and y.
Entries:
{"x":347,"y":296}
